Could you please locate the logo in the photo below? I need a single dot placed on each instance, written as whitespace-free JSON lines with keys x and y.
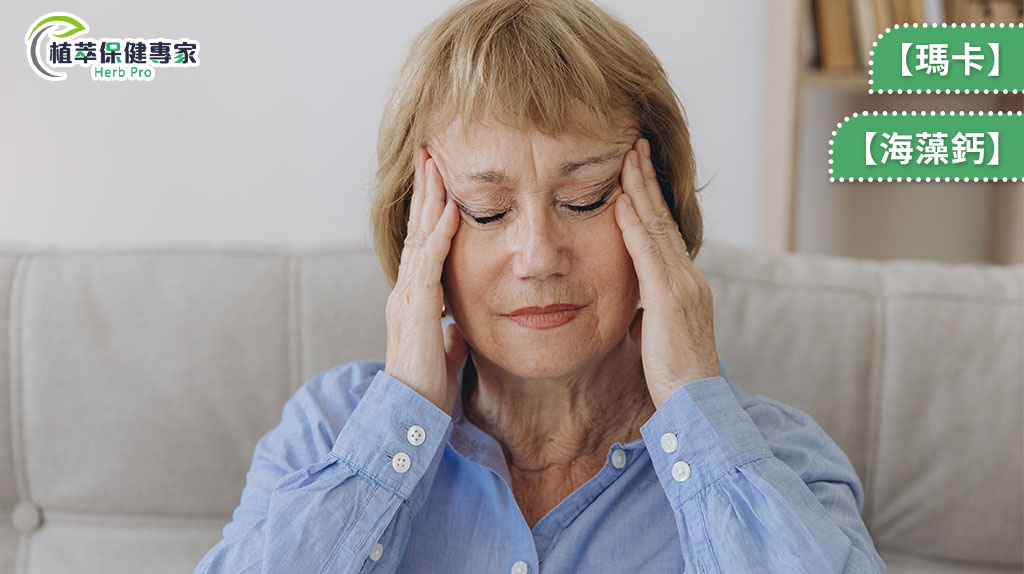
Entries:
{"x":54,"y":42}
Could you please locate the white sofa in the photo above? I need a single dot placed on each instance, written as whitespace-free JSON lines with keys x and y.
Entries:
{"x":134,"y":384}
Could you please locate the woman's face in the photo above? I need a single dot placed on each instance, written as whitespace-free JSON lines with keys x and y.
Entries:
{"x":537,"y":228}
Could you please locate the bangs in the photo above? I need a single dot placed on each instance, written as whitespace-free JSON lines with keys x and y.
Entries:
{"x":521,"y":66}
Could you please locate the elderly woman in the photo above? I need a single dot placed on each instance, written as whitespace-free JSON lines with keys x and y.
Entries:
{"x":536,"y":182}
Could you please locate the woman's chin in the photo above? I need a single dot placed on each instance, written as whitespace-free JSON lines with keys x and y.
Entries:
{"x":536,"y":359}
{"x":548,"y":371}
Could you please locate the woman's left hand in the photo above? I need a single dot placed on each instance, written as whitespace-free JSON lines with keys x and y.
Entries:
{"x":675,"y":323}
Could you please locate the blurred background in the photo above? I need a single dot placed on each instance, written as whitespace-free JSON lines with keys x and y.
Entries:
{"x":976,"y":222}
{"x":271,"y":139}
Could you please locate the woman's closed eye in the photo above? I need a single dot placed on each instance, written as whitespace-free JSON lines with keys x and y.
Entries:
{"x":584,"y":208}
{"x":575,"y":208}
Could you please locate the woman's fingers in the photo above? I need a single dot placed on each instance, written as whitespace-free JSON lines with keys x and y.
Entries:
{"x":633,"y":183}
{"x":418,"y":185}
{"x":643,"y":148}
{"x":413,"y":230}
{"x":679,"y":248}
{"x":650,"y":205}
{"x":650,"y":268}
{"x":439,"y":243}
{"x":426,"y":208}
{"x":434,"y":198}
{"x":440,"y":221}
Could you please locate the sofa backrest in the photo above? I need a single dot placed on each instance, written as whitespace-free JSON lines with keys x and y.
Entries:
{"x":135,"y":383}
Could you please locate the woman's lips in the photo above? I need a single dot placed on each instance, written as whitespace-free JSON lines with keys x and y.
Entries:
{"x":547,"y":317}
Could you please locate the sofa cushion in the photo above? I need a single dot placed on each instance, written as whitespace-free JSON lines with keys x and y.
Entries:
{"x":915,"y":368}
{"x":135,"y":383}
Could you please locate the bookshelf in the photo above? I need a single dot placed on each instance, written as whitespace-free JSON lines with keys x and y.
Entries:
{"x":804,"y":212}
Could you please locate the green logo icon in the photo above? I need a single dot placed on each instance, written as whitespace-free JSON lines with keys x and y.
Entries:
{"x":55,"y":24}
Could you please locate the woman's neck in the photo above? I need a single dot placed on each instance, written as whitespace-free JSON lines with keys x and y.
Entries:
{"x":553,"y":423}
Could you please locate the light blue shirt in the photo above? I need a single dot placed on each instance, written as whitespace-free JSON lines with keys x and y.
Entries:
{"x":364,"y":474}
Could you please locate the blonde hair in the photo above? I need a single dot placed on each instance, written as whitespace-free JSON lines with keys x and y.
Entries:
{"x":554,"y":65}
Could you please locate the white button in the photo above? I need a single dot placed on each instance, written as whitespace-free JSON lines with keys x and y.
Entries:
{"x":376,"y":552}
{"x":519,"y":567}
{"x":618,"y":458}
{"x":400,"y":462}
{"x":416,"y":435}
{"x":669,"y":442}
{"x":681,"y":471}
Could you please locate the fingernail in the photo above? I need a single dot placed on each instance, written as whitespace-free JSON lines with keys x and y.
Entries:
{"x":646,"y":147}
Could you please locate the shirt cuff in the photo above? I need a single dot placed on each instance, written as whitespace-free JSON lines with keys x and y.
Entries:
{"x":394,"y":435}
{"x":698,"y":435}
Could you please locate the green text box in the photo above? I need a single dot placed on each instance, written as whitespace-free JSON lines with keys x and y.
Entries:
{"x":954,"y":58}
{"x":928,"y":146}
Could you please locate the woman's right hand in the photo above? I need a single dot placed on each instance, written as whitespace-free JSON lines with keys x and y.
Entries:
{"x":418,"y":353}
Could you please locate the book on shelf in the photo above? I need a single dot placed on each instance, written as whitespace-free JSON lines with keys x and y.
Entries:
{"x":841,"y":32}
{"x":835,"y":35}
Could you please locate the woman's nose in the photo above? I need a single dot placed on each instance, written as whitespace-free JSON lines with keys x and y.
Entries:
{"x":540,"y":248}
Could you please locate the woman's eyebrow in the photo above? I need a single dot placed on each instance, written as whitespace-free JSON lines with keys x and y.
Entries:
{"x":569,"y":167}
{"x":498,"y":177}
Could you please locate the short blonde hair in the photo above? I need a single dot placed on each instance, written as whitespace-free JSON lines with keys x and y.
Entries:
{"x":554,"y":65}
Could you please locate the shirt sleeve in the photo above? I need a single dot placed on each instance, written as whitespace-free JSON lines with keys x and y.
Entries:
{"x":307,"y":509}
{"x":743,"y":507}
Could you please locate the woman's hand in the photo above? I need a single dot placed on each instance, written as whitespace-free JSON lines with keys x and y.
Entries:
{"x":675,"y":324}
{"x":416,"y":353}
